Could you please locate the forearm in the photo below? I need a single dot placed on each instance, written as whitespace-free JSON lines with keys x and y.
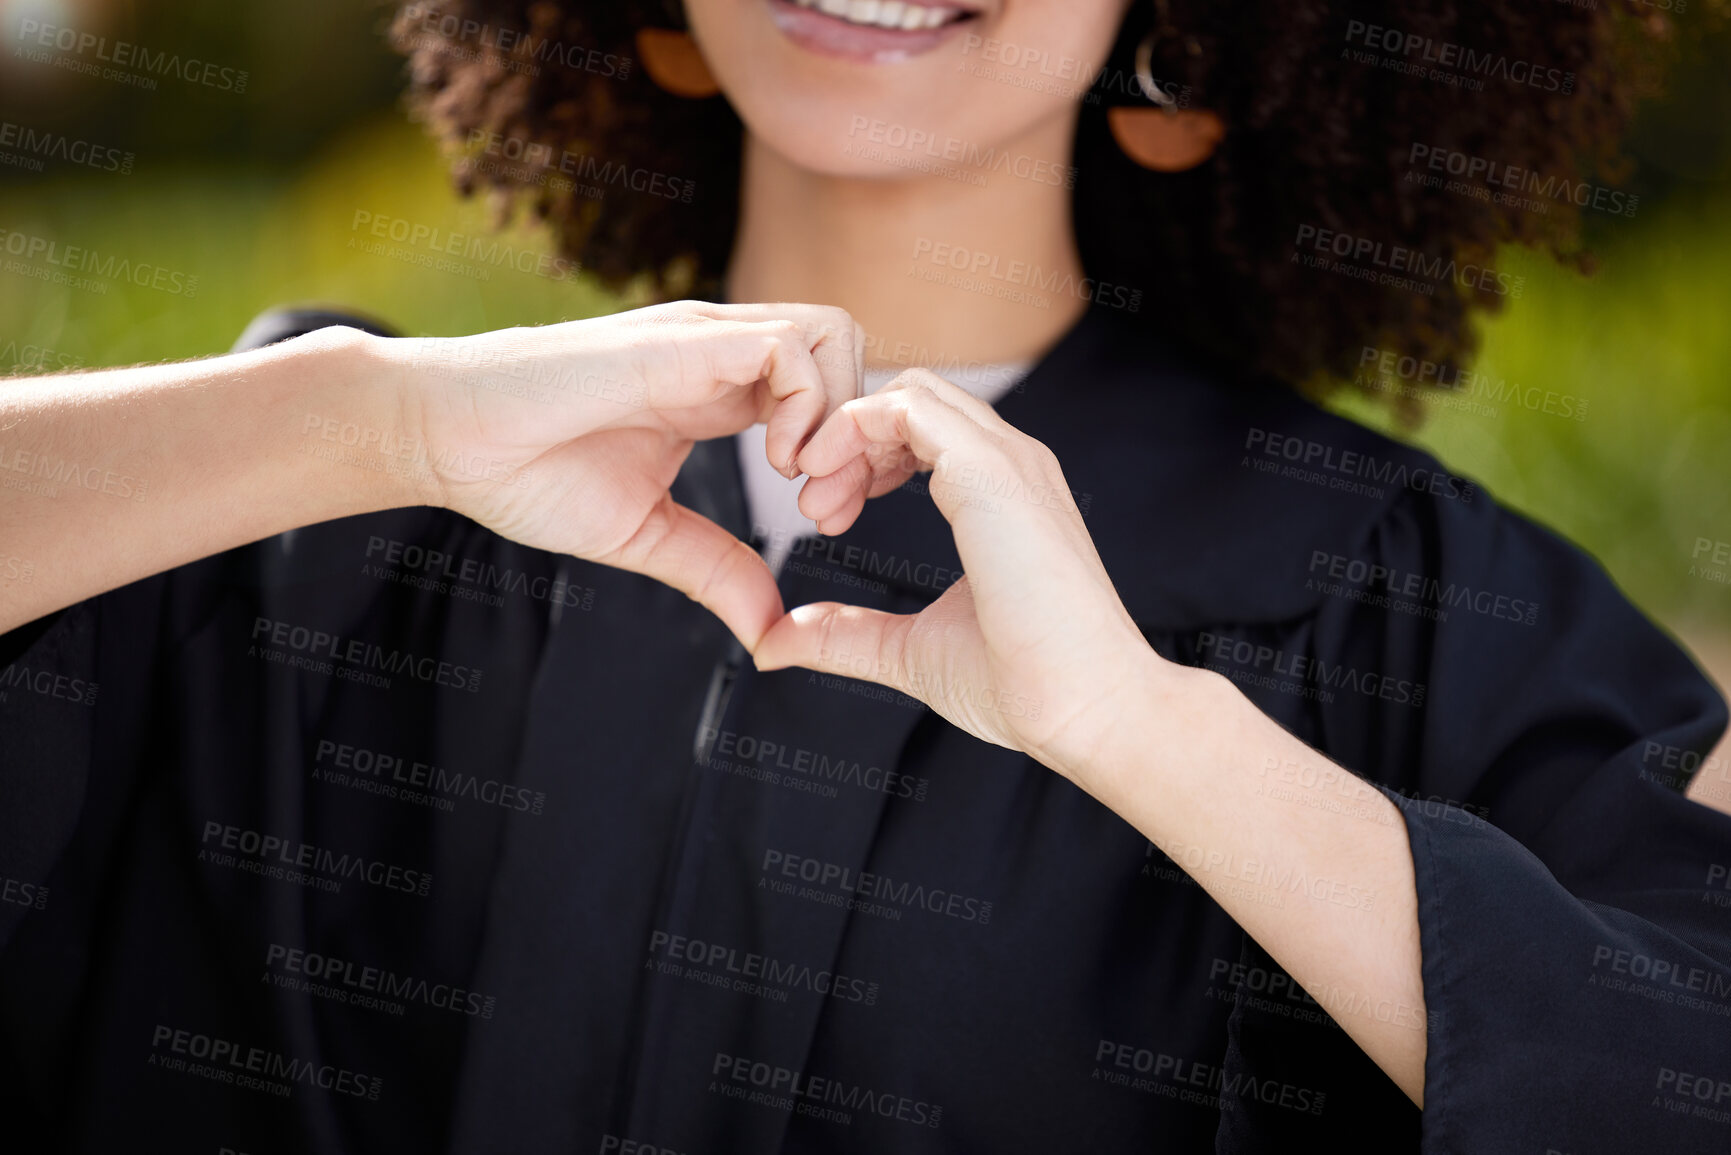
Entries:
{"x":1313,"y":862}
{"x":111,"y":476}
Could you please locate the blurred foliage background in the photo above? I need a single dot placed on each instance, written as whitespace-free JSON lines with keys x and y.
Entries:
{"x":257,"y":195}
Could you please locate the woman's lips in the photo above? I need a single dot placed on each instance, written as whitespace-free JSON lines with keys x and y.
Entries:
{"x":875,"y":30}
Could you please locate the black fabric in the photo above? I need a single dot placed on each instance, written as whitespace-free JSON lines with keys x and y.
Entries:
{"x":275,"y":325}
{"x":936,"y":938}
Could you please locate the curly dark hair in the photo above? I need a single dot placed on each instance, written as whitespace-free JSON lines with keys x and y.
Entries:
{"x":1330,"y":135}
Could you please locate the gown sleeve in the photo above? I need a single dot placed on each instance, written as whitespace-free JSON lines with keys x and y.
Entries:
{"x":1574,"y":908}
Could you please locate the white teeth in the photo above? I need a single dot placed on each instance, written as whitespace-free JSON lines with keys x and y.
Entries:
{"x":884,"y":13}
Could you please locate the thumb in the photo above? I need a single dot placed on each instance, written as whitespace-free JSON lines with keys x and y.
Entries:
{"x":707,"y":564}
{"x":832,"y":638}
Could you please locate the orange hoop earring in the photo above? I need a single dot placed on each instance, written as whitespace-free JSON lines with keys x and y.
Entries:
{"x":675,"y":64}
{"x":1164,"y":138}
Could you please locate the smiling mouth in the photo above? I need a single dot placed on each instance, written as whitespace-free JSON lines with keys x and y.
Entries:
{"x":877,"y":31}
{"x":889,"y":14}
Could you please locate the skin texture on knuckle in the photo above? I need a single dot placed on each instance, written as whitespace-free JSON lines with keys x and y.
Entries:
{"x":785,"y":344}
{"x":830,"y":337}
{"x":888,"y":460}
{"x":918,"y":381}
{"x":902,"y":407}
{"x":737,"y":356}
{"x":829,"y":322}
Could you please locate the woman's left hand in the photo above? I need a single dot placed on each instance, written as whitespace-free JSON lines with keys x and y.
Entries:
{"x":1031,"y":648}
{"x":1176,"y":752}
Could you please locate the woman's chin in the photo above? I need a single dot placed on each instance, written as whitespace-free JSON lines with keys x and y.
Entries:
{"x":849,"y":138}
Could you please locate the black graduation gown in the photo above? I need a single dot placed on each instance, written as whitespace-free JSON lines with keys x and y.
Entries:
{"x":389,"y":834}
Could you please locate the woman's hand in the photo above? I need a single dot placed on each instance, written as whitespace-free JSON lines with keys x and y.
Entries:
{"x":1176,"y":752}
{"x":1032,"y":649}
{"x":566,"y":437}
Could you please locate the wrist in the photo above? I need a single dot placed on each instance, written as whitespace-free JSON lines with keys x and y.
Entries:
{"x":1157,"y":724}
{"x":363,"y":420}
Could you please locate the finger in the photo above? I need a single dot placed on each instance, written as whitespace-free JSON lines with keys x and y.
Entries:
{"x":698,"y":558}
{"x":1003,"y":494}
{"x":910,"y":418}
{"x":883,"y":431}
{"x":834,"y":501}
{"x":844,"y":490}
{"x":797,"y":407}
{"x":729,"y":366}
{"x":832,"y":638}
{"x":797,"y":398}
{"x":891,"y":470}
{"x":835,"y":340}
{"x":952,"y":395}
{"x":836,"y":345}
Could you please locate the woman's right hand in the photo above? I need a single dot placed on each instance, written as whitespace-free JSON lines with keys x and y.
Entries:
{"x":566,"y":437}
{"x":563,"y":437}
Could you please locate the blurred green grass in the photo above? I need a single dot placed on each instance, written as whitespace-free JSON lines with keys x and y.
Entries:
{"x":1646,"y":341}
{"x":255,"y":241}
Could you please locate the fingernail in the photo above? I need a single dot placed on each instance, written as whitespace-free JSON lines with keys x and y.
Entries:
{"x":793,"y":458}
